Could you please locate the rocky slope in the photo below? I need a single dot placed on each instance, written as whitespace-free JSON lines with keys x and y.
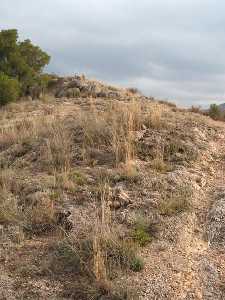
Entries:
{"x":153,"y":172}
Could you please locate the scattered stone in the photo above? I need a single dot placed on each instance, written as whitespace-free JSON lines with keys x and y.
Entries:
{"x":216,"y":224}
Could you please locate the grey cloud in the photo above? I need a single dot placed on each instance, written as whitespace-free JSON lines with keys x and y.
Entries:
{"x":170,"y":49}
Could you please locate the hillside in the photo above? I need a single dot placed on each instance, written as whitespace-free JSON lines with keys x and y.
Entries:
{"x":108,"y":194}
{"x":222,"y":106}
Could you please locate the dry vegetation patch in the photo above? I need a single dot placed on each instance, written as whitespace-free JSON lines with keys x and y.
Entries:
{"x":78,"y":173}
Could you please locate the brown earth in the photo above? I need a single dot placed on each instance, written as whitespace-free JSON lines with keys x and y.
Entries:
{"x":160,"y":163}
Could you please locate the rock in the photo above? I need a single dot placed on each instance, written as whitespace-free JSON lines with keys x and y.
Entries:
{"x":216,"y":224}
{"x":123,"y":197}
{"x":60,"y":93}
{"x":116,"y":204}
{"x":212,"y":283}
{"x":102,"y":94}
{"x":113,"y":95}
{"x":73,"y":93}
{"x":62,"y":220}
{"x":78,"y":85}
{"x":75,"y":84}
{"x":119,"y":198}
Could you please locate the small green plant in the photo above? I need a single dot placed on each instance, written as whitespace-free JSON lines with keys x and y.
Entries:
{"x":55,"y":195}
{"x":65,"y":258}
{"x":9,"y":89}
{"x":142,"y":231}
{"x":141,"y":236}
{"x":137,"y":264}
{"x":78,"y":178}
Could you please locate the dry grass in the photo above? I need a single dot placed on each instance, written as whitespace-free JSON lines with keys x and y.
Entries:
{"x":113,"y":130}
{"x":159,"y":165}
{"x":153,"y":116}
{"x":9,"y":209}
{"x":196,"y":109}
{"x":96,"y":254}
{"x":177,"y":202}
{"x":177,"y":149}
{"x":24,"y":131}
{"x":42,"y":212}
{"x":50,"y":134}
{"x":57,"y":151}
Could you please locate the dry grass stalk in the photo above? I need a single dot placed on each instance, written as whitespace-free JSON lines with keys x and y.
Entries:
{"x":9,"y":211}
{"x":153,"y":116}
{"x":25,"y":131}
{"x":113,"y":129}
{"x":101,"y":231}
{"x":42,"y":213}
{"x":58,"y":147}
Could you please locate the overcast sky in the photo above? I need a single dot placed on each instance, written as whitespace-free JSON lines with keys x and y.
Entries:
{"x":170,"y":49}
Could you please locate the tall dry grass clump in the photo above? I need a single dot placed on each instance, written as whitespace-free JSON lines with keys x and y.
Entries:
{"x":112,"y":130}
{"x":96,"y":254}
{"x":153,"y":115}
{"x":101,"y":232}
{"x":25,"y":131}
{"x":9,"y":209}
{"x":57,"y":151}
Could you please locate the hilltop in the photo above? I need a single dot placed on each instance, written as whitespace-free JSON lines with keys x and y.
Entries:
{"x":108,"y":194}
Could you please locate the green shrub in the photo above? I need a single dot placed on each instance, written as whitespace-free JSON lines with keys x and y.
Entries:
{"x":24,"y":61}
{"x":215,"y":112}
{"x":65,"y":259}
{"x":137,"y":264}
{"x":9,"y":89}
{"x":142,"y":232}
{"x":142,"y":236}
{"x":78,"y":178}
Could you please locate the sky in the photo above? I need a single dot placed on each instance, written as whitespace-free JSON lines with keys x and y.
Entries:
{"x":169,"y":49}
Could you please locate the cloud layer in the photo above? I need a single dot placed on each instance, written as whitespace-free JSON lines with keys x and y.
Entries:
{"x":169,"y":49}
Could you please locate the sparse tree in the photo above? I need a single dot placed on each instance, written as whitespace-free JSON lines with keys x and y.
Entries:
{"x":22,"y":60}
{"x":215,"y":112}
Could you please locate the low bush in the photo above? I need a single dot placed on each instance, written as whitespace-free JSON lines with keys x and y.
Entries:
{"x":215,"y":112}
{"x":159,"y":165}
{"x":137,"y":264}
{"x":177,"y":202}
{"x":9,"y":89}
{"x":133,"y":90}
{"x":142,"y":231}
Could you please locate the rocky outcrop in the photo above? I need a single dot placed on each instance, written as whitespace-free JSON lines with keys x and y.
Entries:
{"x":80,"y":86}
